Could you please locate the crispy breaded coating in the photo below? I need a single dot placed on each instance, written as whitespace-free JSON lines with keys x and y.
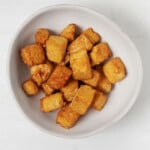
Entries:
{"x":65,"y":103}
{"x":33,"y":54}
{"x":93,"y":81}
{"x":51,"y":102}
{"x":100,"y":53}
{"x":93,"y":36}
{"x":41,"y":35}
{"x":47,"y":89}
{"x":66,"y":59}
{"x":70,"y":90}
{"x":40,"y":73}
{"x":81,"y":42}
{"x":80,"y":64}
{"x":30,"y":88}
{"x":76,"y":73}
{"x":69,"y":32}
{"x":67,"y":117}
{"x":59,"y":77}
{"x":104,"y":84}
{"x":114,"y":70}
{"x":99,"y":100}
{"x":56,"y":48}
{"x":83,"y":99}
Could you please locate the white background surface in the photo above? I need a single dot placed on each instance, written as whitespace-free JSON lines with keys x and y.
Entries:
{"x":131,"y":133}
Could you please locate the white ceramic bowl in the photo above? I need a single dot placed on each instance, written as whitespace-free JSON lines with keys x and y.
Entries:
{"x":121,"y":98}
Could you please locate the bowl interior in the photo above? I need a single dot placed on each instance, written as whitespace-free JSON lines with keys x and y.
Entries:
{"x":124,"y":92}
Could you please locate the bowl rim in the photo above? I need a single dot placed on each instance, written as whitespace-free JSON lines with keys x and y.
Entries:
{"x":116,"y":27}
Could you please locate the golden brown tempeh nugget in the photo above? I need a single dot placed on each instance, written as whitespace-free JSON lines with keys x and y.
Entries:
{"x":56,"y":48}
{"x":93,"y":36}
{"x":104,"y":84}
{"x":93,"y":81}
{"x":70,"y":90}
{"x":99,"y":100}
{"x":40,"y":73}
{"x":100,"y":53}
{"x":83,"y":99}
{"x":69,"y":32}
{"x":41,"y":35}
{"x":114,"y":70}
{"x":47,"y":89}
{"x":33,"y":54}
{"x":80,"y":64}
{"x":30,"y":88}
{"x":67,"y":117}
{"x":81,"y":42}
{"x":66,"y":59}
{"x":51,"y":102}
{"x":59,"y":77}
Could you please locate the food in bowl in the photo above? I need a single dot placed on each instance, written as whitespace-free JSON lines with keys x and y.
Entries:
{"x":76,"y":73}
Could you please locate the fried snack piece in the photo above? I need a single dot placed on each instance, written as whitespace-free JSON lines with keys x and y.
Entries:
{"x":80,"y":65}
{"x":114,"y":70}
{"x":92,"y":35}
{"x":69,"y":32}
{"x":59,"y":77}
{"x":66,"y":59}
{"x":81,"y":42}
{"x":40,"y":73}
{"x":104,"y":84}
{"x":100,"y":53}
{"x":30,"y":88}
{"x":70,"y":90}
{"x":94,"y":80}
{"x":47,"y":89}
{"x":33,"y":54}
{"x":41,"y":35}
{"x":83,"y":99}
{"x":67,"y":117}
{"x":51,"y":102}
{"x":56,"y":48}
{"x":99,"y":100}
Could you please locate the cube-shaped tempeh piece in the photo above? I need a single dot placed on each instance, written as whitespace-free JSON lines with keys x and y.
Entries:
{"x":104,"y":84}
{"x":40,"y":73}
{"x":70,"y":90}
{"x":67,"y":117}
{"x":41,"y":35}
{"x":80,"y":65}
{"x":51,"y":102}
{"x":99,"y":101}
{"x":59,"y":77}
{"x":100,"y":53}
{"x":56,"y":48}
{"x":69,"y":32}
{"x":93,"y":81}
{"x":81,"y":42}
{"x":33,"y":54}
{"x":83,"y":99}
{"x":47,"y":89}
{"x":114,"y":70}
{"x":30,"y":88}
{"x":92,"y":35}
